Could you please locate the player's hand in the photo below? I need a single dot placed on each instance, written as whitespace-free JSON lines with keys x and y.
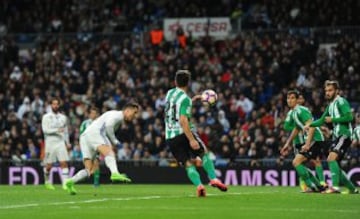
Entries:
{"x":196,"y":97}
{"x":194,"y":144}
{"x":328,"y":119}
{"x":68,"y":146}
{"x":284,"y":150}
{"x":61,"y":130}
{"x":305,"y":148}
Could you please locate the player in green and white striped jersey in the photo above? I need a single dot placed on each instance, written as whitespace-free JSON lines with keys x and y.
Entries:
{"x":93,"y":114}
{"x":338,"y":112}
{"x":356,"y":132}
{"x":181,"y":136}
{"x":299,"y":141}
{"x":314,"y":140}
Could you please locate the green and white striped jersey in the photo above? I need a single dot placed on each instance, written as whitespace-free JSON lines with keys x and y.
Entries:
{"x":299,"y":116}
{"x":338,"y":108}
{"x":356,"y":133}
{"x":289,"y":125}
{"x":340,"y":112}
{"x":84,"y":125}
{"x":177,"y":103}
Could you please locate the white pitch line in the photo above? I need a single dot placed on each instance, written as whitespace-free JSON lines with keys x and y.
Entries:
{"x":19,"y":206}
{"x":116,"y":199}
{"x":183,"y":196}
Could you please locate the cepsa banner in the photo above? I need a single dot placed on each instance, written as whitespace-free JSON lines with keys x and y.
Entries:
{"x":219,"y":27}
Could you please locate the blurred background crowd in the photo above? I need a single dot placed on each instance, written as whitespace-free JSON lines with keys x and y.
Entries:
{"x":38,"y":16}
{"x":251,"y":72}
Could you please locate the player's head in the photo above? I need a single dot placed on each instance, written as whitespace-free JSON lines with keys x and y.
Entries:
{"x":292,"y":98}
{"x":182,"y":78}
{"x":301,"y":99}
{"x":93,"y":113}
{"x":55,"y":104}
{"x":131,"y":110}
{"x":331,"y":89}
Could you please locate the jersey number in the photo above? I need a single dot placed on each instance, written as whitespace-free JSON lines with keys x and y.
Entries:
{"x":170,"y":111}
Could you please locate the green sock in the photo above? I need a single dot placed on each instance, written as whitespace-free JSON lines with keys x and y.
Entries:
{"x":304,"y":174}
{"x":313,"y":178}
{"x":347,"y":182}
{"x":193,"y":175}
{"x":335,"y":173}
{"x":208,"y":165}
{"x":320,"y":174}
{"x":97,"y":177}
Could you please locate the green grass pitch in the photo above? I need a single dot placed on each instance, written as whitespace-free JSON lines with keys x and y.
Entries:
{"x":172,"y":201}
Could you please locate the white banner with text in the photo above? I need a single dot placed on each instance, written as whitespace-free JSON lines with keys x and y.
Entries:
{"x":218,"y":27}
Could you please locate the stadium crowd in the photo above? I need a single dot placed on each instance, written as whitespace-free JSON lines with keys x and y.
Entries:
{"x":26,"y":16}
{"x":251,"y":74}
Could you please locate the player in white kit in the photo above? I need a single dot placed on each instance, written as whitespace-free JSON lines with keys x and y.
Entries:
{"x":100,"y":136}
{"x":55,"y":130}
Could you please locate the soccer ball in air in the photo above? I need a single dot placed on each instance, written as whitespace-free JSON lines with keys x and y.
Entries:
{"x":209,"y":97}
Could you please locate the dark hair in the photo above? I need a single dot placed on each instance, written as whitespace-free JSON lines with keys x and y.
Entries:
{"x":182,"y":78}
{"x":93,"y":108}
{"x":54,"y":99}
{"x":295,"y":92}
{"x":333,"y":83}
{"x":131,"y":105}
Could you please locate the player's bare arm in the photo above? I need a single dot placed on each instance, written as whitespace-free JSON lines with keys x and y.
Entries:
{"x":293,"y":134}
{"x":196,"y":97}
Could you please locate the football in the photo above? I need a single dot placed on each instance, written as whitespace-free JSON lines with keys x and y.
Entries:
{"x":209,"y":97}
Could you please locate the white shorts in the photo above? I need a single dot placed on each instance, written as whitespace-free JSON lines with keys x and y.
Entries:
{"x":55,"y":153}
{"x":90,"y":141}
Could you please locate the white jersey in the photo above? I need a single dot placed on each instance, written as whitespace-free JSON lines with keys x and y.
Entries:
{"x":51,"y":123}
{"x":106,"y":125}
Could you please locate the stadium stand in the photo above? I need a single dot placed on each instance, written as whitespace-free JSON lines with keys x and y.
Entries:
{"x":251,"y":72}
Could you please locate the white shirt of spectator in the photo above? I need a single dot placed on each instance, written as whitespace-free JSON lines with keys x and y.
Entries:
{"x":24,"y":108}
{"x":245,"y":103}
{"x":37,"y":105}
{"x":16,"y":74}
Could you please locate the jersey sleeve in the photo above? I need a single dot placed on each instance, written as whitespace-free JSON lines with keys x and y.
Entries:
{"x":304,"y":115}
{"x":321,"y":120}
{"x":185,"y":107}
{"x":356,"y":134}
{"x":110,"y":131}
{"x":66,"y":131}
{"x":345,"y":111}
{"x":344,"y":106}
{"x":288,"y":123}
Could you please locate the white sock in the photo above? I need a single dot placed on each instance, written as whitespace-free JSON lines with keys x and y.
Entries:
{"x":111,"y":164}
{"x":64,"y":174}
{"x":82,"y":174}
{"x":46,"y":175}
